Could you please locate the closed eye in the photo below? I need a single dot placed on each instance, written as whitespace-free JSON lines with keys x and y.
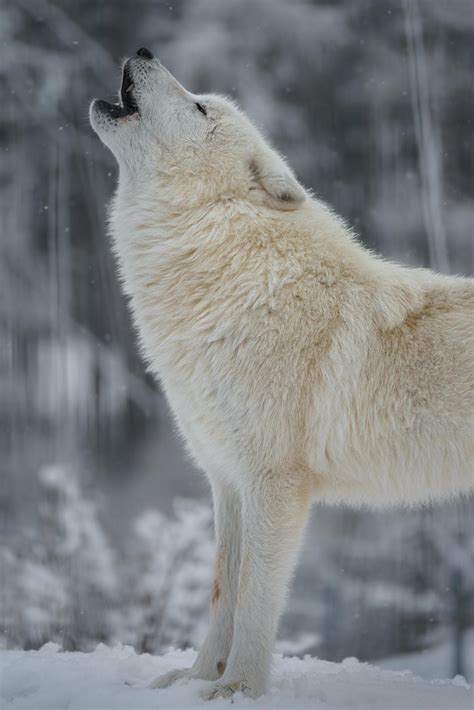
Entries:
{"x":201,"y":108}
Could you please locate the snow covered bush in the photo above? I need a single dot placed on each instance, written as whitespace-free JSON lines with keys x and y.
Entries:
{"x":61,"y":574}
{"x":62,"y":580}
{"x":168,"y":577}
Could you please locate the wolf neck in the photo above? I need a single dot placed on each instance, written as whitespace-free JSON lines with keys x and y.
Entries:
{"x":172,"y":264}
{"x":163,"y":244}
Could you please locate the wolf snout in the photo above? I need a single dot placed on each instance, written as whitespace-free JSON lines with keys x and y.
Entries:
{"x":144,"y":53}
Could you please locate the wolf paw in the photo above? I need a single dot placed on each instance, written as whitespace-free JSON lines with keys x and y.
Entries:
{"x":226,"y":690}
{"x":164,"y":681}
{"x":194,"y":673}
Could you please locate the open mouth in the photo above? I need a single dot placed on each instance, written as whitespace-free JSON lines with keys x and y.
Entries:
{"x":127,"y":105}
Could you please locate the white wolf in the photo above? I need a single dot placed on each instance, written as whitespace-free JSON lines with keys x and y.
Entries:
{"x":299,"y":366}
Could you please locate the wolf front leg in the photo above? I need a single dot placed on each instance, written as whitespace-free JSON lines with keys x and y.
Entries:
{"x":212,"y":658}
{"x":274,"y":515}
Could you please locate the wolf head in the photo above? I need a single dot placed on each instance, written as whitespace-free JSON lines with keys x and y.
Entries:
{"x":201,"y":146}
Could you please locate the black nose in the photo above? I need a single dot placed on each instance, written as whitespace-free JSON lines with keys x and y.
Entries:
{"x":145,"y":53}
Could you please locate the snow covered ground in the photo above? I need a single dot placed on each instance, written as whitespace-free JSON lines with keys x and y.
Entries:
{"x":52,"y":680}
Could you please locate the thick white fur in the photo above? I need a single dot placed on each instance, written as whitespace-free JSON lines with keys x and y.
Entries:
{"x":299,"y":366}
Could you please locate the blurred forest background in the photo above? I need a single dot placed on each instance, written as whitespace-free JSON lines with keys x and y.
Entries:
{"x":106,"y":528}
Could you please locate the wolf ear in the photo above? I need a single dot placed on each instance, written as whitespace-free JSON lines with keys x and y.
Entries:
{"x":272,"y":174}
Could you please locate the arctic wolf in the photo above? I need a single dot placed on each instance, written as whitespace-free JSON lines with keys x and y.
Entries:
{"x":299,"y":366}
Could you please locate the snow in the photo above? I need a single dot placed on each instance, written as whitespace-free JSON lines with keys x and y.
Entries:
{"x":114,"y":678}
